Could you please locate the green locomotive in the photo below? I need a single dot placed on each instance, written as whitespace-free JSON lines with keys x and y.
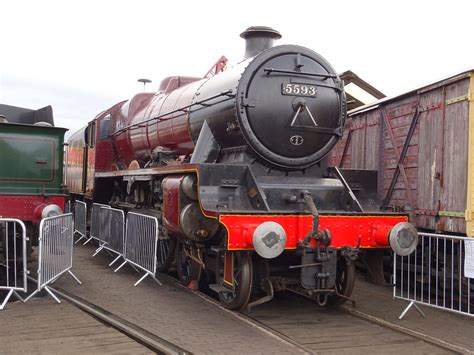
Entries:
{"x":31,"y":166}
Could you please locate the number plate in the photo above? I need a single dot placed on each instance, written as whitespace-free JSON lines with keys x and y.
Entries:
{"x":299,"y":89}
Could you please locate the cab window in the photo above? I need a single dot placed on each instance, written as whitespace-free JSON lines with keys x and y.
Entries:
{"x":90,"y":134}
{"x":104,"y":127}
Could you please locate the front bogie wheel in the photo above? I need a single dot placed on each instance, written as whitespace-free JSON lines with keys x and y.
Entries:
{"x":345,"y":280}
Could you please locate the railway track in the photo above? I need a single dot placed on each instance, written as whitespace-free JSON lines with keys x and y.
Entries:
{"x":299,"y":310}
{"x":133,"y":331}
{"x":292,"y":320}
{"x":158,"y":344}
{"x":295,"y":321}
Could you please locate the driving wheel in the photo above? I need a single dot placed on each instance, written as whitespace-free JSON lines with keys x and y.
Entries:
{"x":238,"y":297}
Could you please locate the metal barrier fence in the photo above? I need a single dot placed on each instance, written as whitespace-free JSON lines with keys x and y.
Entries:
{"x":13,"y":263}
{"x":117,"y":233}
{"x":95,"y":222}
{"x":104,"y":228}
{"x":80,"y":219}
{"x":436,"y":274}
{"x":112,"y":231}
{"x":55,"y":251}
{"x":141,"y":239}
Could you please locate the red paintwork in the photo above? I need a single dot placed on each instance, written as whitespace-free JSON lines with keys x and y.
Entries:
{"x":229,"y":268}
{"x":171,"y":197}
{"x":23,"y":207}
{"x":218,"y":67}
{"x":345,"y":230}
{"x":123,"y":118}
{"x":102,"y":156}
{"x":171,"y":132}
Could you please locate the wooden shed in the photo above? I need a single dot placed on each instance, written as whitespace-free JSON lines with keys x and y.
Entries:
{"x":422,"y":145}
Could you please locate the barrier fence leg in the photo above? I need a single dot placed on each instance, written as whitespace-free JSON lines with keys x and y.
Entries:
{"x":121,"y":265}
{"x":52,"y":294}
{"x":141,"y":279}
{"x":113,"y":262}
{"x":99,"y":249}
{"x":87,"y":241}
{"x":74,"y":277}
{"x":47,"y":289}
{"x":81,"y":236}
{"x":144,"y":277}
{"x":412,"y":303}
{"x":6,"y":299}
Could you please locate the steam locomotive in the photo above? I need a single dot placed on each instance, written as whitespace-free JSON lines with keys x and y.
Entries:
{"x":234,"y":166}
{"x":31,"y":166}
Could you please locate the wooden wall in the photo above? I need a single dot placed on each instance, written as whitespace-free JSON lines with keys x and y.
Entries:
{"x":432,"y":182}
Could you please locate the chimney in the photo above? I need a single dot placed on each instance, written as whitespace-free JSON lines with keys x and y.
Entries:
{"x":258,"y":38}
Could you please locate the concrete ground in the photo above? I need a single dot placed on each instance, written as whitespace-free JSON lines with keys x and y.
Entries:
{"x":184,"y":319}
{"x":41,"y":326}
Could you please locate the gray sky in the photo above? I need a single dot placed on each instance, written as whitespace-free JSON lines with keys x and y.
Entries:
{"x":83,"y":56}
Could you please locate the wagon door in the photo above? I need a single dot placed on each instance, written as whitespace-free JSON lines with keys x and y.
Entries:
{"x":400,"y":168}
{"x":453,"y":180}
{"x":430,"y":158}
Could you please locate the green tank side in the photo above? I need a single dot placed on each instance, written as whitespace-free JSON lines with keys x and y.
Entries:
{"x":31,"y":159}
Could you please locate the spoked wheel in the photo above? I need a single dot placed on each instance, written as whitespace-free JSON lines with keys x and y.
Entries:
{"x":239,"y":297}
{"x":165,"y":253}
{"x":345,"y":279}
{"x":188,"y":269}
